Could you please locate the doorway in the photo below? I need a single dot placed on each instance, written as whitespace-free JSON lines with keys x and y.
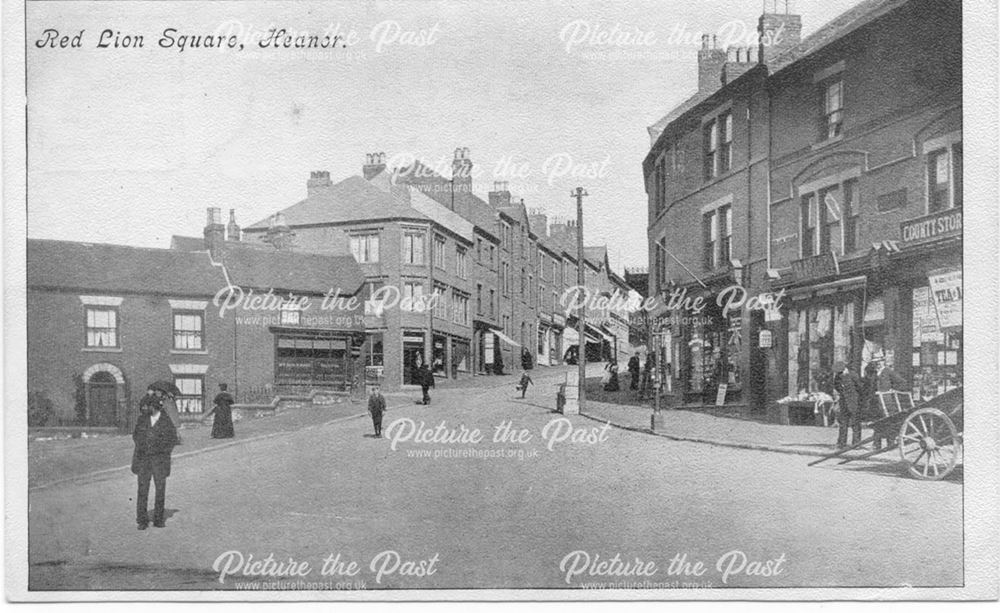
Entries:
{"x":102,"y":400}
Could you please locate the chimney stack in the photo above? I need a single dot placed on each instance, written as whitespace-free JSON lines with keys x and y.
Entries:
{"x":539,"y":222}
{"x":777,"y":32}
{"x":232,"y":230}
{"x":711,"y":61}
{"x":374,"y":165}
{"x":319,"y":182}
{"x":278,"y":233}
{"x":500,"y":196}
{"x":461,"y":171}
{"x":215,"y":232}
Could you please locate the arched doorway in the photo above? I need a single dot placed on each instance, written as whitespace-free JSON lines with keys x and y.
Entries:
{"x":102,"y":400}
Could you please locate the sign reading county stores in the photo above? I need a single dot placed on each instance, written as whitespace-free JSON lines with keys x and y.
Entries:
{"x":930,"y":227}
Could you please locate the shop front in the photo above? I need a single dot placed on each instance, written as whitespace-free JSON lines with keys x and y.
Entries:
{"x":413,"y":355}
{"x":312,"y":359}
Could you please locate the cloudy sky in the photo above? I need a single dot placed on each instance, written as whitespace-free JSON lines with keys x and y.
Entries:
{"x":130,"y":145}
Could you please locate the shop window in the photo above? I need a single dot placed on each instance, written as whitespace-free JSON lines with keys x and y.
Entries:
{"x":102,"y":327}
{"x":192,"y":397}
{"x":819,"y":336}
{"x":189,"y":330}
{"x":937,"y":350}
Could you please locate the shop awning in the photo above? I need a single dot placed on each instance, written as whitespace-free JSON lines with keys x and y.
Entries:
{"x":506,"y":339}
{"x":598,"y":333}
{"x":571,"y":337}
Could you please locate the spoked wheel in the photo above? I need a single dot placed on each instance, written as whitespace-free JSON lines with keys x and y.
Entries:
{"x":929,"y":444}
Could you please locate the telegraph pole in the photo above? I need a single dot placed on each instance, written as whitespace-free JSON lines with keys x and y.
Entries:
{"x":581,"y":321}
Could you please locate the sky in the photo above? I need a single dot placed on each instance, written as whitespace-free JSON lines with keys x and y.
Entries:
{"x":130,"y":145}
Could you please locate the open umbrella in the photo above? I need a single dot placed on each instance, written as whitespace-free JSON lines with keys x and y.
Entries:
{"x":167,"y":387}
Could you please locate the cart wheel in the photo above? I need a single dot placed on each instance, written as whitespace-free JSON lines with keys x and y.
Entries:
{"x":929,"y":444}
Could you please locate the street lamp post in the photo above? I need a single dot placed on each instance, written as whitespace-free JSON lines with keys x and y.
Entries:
{"x":581,"y":321}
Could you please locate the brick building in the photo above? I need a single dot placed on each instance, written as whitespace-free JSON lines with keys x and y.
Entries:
{"x":105,"y":320}
{"x":827,"y":173}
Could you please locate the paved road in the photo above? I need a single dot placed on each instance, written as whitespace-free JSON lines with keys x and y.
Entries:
{"x":502,"y":522}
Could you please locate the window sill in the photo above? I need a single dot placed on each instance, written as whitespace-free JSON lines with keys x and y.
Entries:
{"x":827,"y":142}
{"x":189,"y":351}
{"x":102,"y":349}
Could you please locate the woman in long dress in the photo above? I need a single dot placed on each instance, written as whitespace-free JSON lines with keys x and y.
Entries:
{"x":223,"y":402}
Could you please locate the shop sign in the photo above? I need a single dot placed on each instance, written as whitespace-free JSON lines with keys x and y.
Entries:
{"x":720,"y":396}
{"x":764,"y":339}
{"x":815,"y":267}
{"x":946,"y":292}
{"x":930,"y":227}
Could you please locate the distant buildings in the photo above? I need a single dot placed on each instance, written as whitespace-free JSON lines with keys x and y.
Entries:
{"x":827,"y":172}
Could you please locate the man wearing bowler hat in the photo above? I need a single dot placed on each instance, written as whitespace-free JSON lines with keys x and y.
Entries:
{"x":155,"y":437}
{"x":848,"y":389}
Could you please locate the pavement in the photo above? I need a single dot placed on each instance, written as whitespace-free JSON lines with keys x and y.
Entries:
{"x":540,"y":494}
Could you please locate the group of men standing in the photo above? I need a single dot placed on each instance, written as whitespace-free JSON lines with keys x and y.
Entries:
{"x":859,"y":394}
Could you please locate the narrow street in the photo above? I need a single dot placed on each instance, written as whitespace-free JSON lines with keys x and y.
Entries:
{"x":501,"y":514}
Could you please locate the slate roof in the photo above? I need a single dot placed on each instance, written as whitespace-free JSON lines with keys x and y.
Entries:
{"x":249,"y":266}
{"x":466,"y":204}
{"x":100,"y":267}
{"x":353,"y":199}
{"x":187,"y":243}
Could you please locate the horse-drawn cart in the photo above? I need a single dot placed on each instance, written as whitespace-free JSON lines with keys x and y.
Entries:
{"x":928,"y":436}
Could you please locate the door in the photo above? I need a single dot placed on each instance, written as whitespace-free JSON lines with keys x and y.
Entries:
{"x":102,"y":400}
{"x":759,"y":364}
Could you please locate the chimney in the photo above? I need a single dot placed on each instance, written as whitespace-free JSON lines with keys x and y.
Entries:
{"x":777,"y":32}
{"x":539,"y":222}
{"x":461,"y":171}
{"x":738,"y":61}
{"x":711,"y":61}
{"x":374,"y":165}
{"x":232,"y":230}
{"x":500,"y":196}
{"x":215,"y":232}
{"x":319,"y":181}
{"x":557,"y":228}
{"x":278,"y":233}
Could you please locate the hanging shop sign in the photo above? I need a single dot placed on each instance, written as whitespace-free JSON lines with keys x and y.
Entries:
{"x":764,"y":339}
{"x":946,"y":292}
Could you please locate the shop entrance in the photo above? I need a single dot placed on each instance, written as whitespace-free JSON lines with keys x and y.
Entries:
{"x":413,"y":357}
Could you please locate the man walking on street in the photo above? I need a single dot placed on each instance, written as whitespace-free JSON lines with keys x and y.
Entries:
{"x":633,"y":371}
{"x":376,"y":407}
{"x":425,"y":377}
{"x":849,"y":390}
{"x":155,"y":437}
{"x":524,"y":383}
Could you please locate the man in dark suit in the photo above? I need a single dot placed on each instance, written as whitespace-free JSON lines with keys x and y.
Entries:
{"x":633,"y":371}
{"x":376,"y":408}
{"x":849,"y":391}
{"x":155,"y":437}
{"x":887,"y":379}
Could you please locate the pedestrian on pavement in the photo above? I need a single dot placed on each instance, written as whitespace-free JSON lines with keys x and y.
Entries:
{"x":523,"y":384}
{"x":848,"y":390}
{"x":870,"y":406}
{"x":886,"y":378}
{"x":612,"y":384}
{"x":222,"y":408}
{"x":527,"y":360}
{"x":155,"y":437}
{"x":169,"y":406}
{"x":425,"y":376}
{"x":376,"y":408}
{"x":633,"y":371}
{"x":647,"y":374}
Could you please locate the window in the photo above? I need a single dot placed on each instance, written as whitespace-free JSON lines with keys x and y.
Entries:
{"x":460,"y":308}
{"x":555,"y":301}
{"x":461,"y":265}
{"x":830,"y":215}
{"x":412,"y":293}
{"x":413,"y":248}
{"x":102,"y":327}
{"x":505,"y":278}
{"x":555,"y":271}
{"x":521,"y":279}
{"x":441,"y":304}
{"x":538,"y":298}
{"x":374,"y":349}
{"x":479,"y":298}
{"x":541,"y":266}
{"x":711,"y":137}
{"x":493,"y":253}
{"x":364,"y":248}
{"x":439,"y":246}
{"x":189,"y":332}
{"x":290,"y":314}
{"x":191,"y":398}
{"x":493,"y":303}
{"x":479,"y":250}
{"x":850,"y":210}
{"x":726,"y":234}
{"x":832,"y":124}
{"x":809,"y":220}
{"x":505,"y":236}
{"x":726,"y":147}
{"x":710,"y":230}
{"x":944,"y":178}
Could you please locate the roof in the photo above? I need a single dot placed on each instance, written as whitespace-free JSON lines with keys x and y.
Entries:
{"x":353,"y":199}
{"x":101,"y":267}
{"x":296,"y":271}
{"x":466,"y":204}
{"x":597,"y":255}
{"x":657,"y":128}
{"x":857,"y":16}
{"x":187,"y":243}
